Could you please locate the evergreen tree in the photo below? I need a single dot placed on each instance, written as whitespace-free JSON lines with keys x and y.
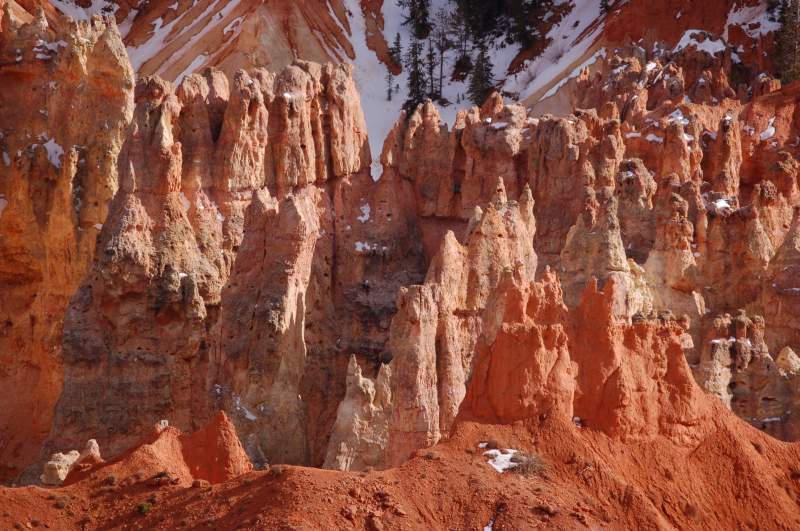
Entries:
{"x":430,"y":65}
{"x":481,"y":82}
{"x":396,"y":51}
{"x":519,"y":21}
{"x":604,"y":7}
{"x":459,"y":30}
{"x":415,"y":70}
{"x":389,"y":86}
{"x":417,"y":16}
{"x":787,"y":57}
{"x":441,"y":39}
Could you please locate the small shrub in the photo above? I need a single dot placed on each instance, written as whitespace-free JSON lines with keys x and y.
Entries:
{"x":144,"y":507}
{"x":528,"y":464}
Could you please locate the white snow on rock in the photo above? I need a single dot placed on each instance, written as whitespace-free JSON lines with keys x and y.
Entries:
{"x":576,"y":72}
{"x":233,"y":24}
{"x":3,"y":203}
{"x":196,"y":63}
{"x":677,"y":116}
{"x":365,"y":210}
{"x":369,"y":74}
{"x":73,"y":10}
{"x":570,"y":40}
{"x":769,"y":132}
{"x":500,"y":460}
{"x":722,"y":204}
{"x":6,"y":159}
{"x":691,"y":38}
{"x":756,"y":21}
{"x":197,"y":28}
{"x":54,"y":152}
{"x":375,"y":170}
{"x":98,"y":226}
{"x":185,"y":201}
{"x":654,"y":138}
{"x":249,"y":415}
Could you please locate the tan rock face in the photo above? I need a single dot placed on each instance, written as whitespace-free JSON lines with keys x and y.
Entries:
{"x":184,"y":308}
{"x":66,"y":101}
{"x":433,"y":334}
{"x":358,"y":439}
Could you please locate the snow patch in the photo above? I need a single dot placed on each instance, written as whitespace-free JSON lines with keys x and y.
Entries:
{"x":365,"y":210}
{"x":708,"y":45}
{"x":54,"y":152}
{"x":196,"y":63}
{"x":677,"y":116}
{"x":249,"y":415}
{"x":76,"y":12}
{"x":755,"y":21}
{"x":570,"y":40}
{"x":722,"y":204}
{"x":769,"y":132}
{"x":375,"y":170}
{"x":654,"y":138}
{"x":500,"y":460}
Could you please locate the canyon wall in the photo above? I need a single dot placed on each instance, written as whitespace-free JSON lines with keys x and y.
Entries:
{"x":223,"y":243}
{"x":56,"y":184}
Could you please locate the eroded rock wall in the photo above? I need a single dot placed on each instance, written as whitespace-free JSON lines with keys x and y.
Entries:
{"x":65,"y":104}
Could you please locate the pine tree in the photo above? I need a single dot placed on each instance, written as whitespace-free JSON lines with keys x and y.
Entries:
{"x":389,"y":86}
{"x":788,"y":42}
{"x":430,"y":65}
{"x":604,"y":7}
{"x":418,"y":16}
{"x":416,"y":76}
{"x":481,"y":82}
{"x":441,"y":39}
{"x":396,"y":51}
{"x":459,"y":30}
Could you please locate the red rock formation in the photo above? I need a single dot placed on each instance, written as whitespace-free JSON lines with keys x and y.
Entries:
{"x":250,"y":263}
{"x":55,"y":187}
{"x":510,"y":384}
{"x":212,"y":453}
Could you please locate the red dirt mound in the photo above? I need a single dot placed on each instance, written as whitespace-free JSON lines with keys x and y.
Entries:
{"x":213,"y":454}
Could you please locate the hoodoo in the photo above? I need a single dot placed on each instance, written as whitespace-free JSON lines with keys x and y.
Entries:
{"x":399,"y":265}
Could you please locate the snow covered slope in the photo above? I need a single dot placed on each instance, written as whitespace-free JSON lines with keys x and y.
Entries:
{"x":173,"y":38}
